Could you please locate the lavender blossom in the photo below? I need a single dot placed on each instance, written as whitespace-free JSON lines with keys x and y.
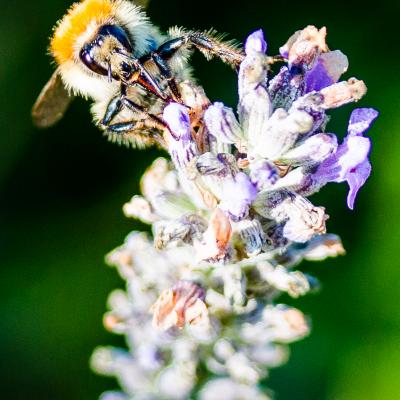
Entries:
{"x":231,"y":221}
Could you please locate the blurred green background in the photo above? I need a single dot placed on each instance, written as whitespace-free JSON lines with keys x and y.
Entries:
{"x":62,"y":192}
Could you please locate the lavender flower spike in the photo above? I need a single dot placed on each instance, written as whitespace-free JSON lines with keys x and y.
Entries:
{"x":231,"y":222}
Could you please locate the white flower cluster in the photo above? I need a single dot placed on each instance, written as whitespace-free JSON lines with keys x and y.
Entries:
{"x":230,"y":222}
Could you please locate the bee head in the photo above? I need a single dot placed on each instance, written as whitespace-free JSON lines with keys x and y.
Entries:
{"x":90,"y":44}
{"x":102,"y":55}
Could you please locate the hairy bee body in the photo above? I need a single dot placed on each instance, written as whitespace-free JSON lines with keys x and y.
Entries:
{"x":106,"y":49}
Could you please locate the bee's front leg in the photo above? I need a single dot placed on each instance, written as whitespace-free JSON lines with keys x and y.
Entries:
{"x":145,"y":119}
{"x":166,"y":73}
{"x":138,"y":131}
{"x":141,"y":122}
{"x":160,"y":58}
{"x":116,"y":105}
{"x":113,"y":109}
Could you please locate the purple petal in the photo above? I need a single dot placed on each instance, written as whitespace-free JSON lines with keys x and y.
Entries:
{"x":356,"y":177}
{"x":177,"y":118}
{"x":351,"y":153}
{"x":349,"y":163}
{"x":238,"y":194}
{"x":361,"y":120}
{"x":312,"y":151}
{"x":263,"y":174}
{"x":327,"y":70}
{"x":317,"y":78}
{"x":255,"y":43}
{"x":182,"y":147}
{"x":254,"y":102}
{"x":222,"y":123}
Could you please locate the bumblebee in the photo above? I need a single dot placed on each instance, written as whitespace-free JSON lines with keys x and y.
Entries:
{"x":109,"y":52}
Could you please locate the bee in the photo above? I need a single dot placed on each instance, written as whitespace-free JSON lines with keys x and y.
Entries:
{"x":108,"y":51}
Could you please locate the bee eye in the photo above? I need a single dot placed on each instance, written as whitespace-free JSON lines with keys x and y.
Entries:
{"x":118,"y":33}
{"x":87,"y":57}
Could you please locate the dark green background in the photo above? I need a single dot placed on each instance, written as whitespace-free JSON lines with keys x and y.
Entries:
{"x":62,"y":192}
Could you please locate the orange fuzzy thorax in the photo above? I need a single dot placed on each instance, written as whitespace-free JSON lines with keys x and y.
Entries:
{"x":75,"y":23}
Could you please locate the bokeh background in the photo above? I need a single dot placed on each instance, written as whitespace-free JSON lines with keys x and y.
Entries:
{"x":62,"y":190}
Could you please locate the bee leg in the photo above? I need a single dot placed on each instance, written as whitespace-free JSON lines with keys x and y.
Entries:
{"x":116,"y":105}
{"x":211,"y":45}
{"x":139,"y":132}
{"x":206,"y":42}
{"x":141,"y":76}
{"x":155,"y":121}
{"x":275,"y":59}
{"x":124,"y":127}
{"x":144,"y":128}
{"x":129,"y":126}
{"x":143,"y":131}
{"x":113,"y":108}
{"x":166,"y":73}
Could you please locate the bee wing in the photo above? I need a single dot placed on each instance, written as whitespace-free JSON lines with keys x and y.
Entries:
{"x":51,"y":103}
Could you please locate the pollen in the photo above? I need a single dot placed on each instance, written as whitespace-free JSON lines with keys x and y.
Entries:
{"x":79,"y":18}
